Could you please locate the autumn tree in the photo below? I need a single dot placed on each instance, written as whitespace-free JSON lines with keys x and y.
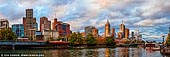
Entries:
{"x":110,"y":41}
{"x":7,"y":34}
{"x":76,"y":38}
{"x":90,"y":39}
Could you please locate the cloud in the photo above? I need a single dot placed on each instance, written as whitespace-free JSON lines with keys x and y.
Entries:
{"x":152,"y":22}
{"x":155,"y":9}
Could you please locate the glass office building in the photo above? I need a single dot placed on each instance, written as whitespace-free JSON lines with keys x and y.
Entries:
{"x":18,"y":29}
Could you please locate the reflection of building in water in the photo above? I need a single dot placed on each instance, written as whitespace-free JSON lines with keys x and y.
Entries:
{"x":60,"y":53}
{"x":107,"y":52}
{"x":126,"y":52}
{"x":122,"y":52}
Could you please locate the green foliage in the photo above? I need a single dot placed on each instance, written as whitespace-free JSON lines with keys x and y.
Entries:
{"x":110,"y":41}
{"x":7,"y":34}
{"x":76,"y":38}
{"x":90,"y":39}
{"x":168,"y":40}
{"x":79,"y":38}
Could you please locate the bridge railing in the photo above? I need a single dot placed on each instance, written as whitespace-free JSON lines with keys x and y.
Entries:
{"x":21,"y":43}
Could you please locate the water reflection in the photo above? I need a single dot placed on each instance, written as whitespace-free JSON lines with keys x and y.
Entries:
{"x":100,"y":52}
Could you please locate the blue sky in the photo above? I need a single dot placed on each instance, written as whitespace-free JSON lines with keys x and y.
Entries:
{"x":151,"y":17}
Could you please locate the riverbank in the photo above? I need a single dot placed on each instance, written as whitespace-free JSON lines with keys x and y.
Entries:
{"x":87,"y":52}
{"x":84,"y":46}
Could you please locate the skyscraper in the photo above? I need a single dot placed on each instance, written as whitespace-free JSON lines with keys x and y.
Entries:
{"x":30,"y":25}
{"x":107,"y":29}
{"x":113,"y":32}
{"x":122,"y":29}
{"x":63,"y":29}
{"x":54,"y":23}
{"x":18,"y":29}
{"x":45,"y":24}
{"x":126,"y":33}
{"x":89,"y":30}
{"x":132,"y":35}
{"x":4,"y":24}
{"x":95,"y":32}
{"x":120,"y":35}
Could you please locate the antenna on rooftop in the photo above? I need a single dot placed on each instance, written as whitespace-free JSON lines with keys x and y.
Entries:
{"x":55,"y":15}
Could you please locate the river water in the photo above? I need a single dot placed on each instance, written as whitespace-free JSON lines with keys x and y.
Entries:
{"x":98,"y":52}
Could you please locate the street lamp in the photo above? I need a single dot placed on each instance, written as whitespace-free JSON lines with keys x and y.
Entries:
{"x":163,"y":39}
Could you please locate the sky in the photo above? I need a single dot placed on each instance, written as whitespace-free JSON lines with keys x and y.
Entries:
{"x":150,"y":17}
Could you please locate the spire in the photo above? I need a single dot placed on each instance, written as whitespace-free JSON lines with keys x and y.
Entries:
{"x":107,"y":20}
{"x":122,"y":21}
{"x":55,"y":15}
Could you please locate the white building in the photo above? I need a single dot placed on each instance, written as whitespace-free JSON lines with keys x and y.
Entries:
{"x":4,"y":24}
{"x":50,"y":34}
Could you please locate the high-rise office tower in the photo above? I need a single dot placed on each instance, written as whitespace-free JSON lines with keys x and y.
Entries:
{"x":54,"y":23}
{"x":107,"y":29}
{"x":63,"y":29}
{"x":45,"y":24}
{"x":122,"y":29}
{"x":18,"y":29}
{"x":113,"y":32}
{"x":30,"y":25}
{"x":89,"y":30}
{"x":126,"y":33}
{"x":120,"y":35}
{"x":95,"y":32}
{"x":132,"y":34}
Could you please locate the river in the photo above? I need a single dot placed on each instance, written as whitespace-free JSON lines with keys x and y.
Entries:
{"x":98,"y":52}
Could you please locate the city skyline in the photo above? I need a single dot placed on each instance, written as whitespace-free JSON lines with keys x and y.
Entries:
{"x":150,"y":17}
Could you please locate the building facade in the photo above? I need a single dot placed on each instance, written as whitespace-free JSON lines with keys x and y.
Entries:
{"x":45,"y":24}
{"x":107,"y":29}
{"x":89,"y":30}
{"x":4,"y":24}
{"x":30,"y":25}
{"x":122,"y":29}
{"x":63,"y":29}
{"x":113,"y":33}
{"x":18,"y":29}
{"x":127,"y":33}
{"x":95,"y":32}
{"x":120,"y":35}
{"x":54,"y":23}
{"x":50,"y":35}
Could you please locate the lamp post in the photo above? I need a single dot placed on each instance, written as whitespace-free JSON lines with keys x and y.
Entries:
{"x":163,"y":40}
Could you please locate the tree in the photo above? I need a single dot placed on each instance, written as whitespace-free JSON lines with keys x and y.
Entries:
{"x":72,"y":38}
{"x":76,"y":38}
{"x":90,"y":39}
{"x":79,"y":38}
{"x":168,"y":40}
{"x":7,"y":34}
{"x":110,"y":41}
